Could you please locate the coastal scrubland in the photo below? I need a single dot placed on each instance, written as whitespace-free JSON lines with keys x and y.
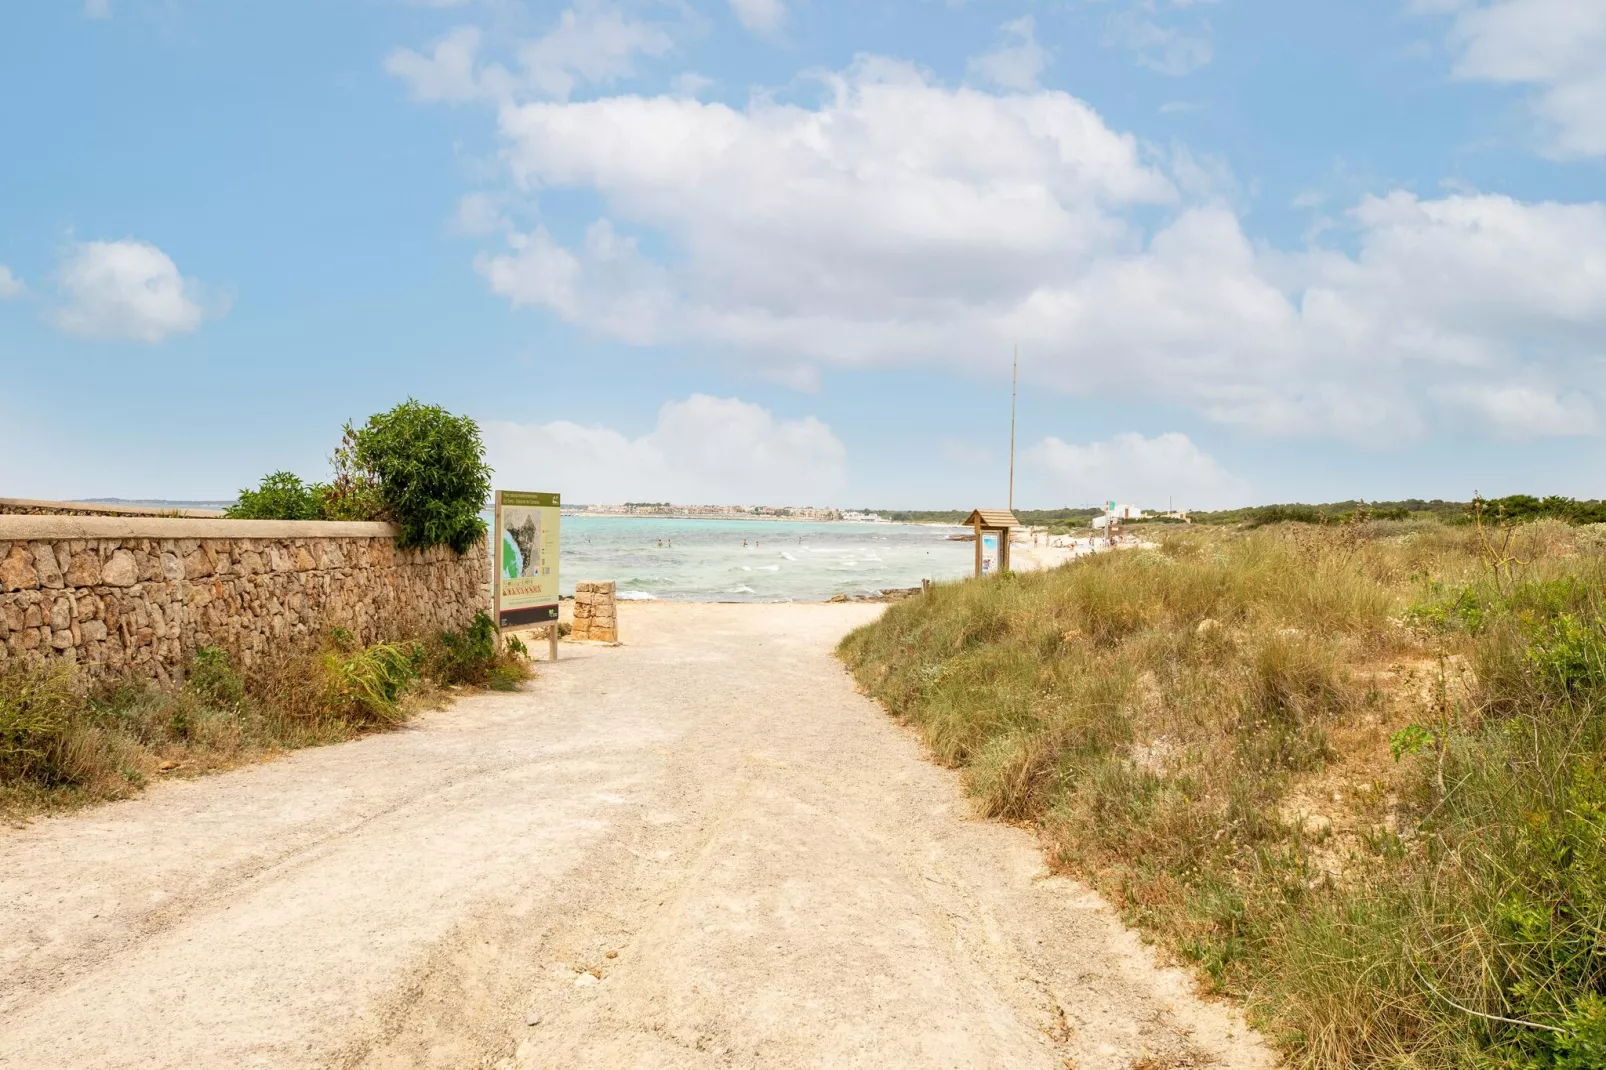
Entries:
{"x":1517,"y":508}
{"x":66,"y":740}
{"x":1354,"y":773}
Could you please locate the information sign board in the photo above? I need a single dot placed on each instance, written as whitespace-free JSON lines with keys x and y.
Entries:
{"x":526,"y":558}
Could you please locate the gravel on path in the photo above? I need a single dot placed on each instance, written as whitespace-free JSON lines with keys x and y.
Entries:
{"x":698,"y":849}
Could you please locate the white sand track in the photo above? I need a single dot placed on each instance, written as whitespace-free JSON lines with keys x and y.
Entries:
{"x":781,"y":877}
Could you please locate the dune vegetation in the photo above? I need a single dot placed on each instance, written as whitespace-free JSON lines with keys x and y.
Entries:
{"x":66,"y":740}
{"x":1355,"y":774}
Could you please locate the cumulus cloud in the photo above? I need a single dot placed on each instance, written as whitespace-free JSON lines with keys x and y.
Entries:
{"x":703,"y":449}
{"x":763,"y":17}
{"x":1157,"y":41}
{"x":10,"y":285}
{"x":898,"y":220}
{"x":1131,"y":468}
{"x":125,"y":290}
{"x":97,"y":9}
{"x":446,"y":73}
{"x":901,"y":220}
{"x":1558,"y":47}
{"x":1018,"y":60}
{"x":1520,"y":412}
{"x":594,"y":42}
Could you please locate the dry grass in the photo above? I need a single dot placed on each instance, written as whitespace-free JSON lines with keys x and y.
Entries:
{"x":1207,"y":733}
{"x":65,"y":743}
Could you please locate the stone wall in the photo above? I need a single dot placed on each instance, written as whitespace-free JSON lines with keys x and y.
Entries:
{"x":31,"y":507}
{"x":596,"y":614}
{"x":138,"y":595}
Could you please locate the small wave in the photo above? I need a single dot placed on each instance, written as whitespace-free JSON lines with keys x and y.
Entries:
{"x":637,"y":596}
{"x":788,"y":556}
{"x":766,"y":568}
{"x":743,"y":589}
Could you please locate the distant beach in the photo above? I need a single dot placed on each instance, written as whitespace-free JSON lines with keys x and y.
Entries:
{"x":772,"y":560}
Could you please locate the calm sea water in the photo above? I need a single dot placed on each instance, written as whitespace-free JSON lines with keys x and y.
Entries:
{"x":707,"y":561}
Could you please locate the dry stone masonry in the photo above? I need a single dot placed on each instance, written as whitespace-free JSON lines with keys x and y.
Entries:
{"x":121,"y":595}
{"x":595,"y":613}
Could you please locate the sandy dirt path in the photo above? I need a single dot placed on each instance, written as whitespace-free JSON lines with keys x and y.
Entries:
{"x":699,"y":849}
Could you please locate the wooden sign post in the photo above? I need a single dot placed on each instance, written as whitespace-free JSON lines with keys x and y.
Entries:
{"x":525,"y":590}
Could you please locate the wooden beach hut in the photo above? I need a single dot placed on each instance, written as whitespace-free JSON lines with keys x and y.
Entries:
{"x":1000,"y":520}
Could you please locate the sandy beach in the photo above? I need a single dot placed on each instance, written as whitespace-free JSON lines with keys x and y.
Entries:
{"x":701,"y":848}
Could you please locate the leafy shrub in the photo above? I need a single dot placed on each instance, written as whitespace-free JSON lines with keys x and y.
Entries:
{"x":367,"y":683}
{"x":417,"y":465}
{"x":213,"y":679}
{"x":280,"y":496}
{"x":471,"y":657}
{"x":352,"y":492}
{"x":466,"y":657}
{"x":36,"y":708}
{"x":431,"y":473}
{"x":1520,"y":508}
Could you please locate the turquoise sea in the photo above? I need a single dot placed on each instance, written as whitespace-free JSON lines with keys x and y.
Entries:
{"x":754,"y":560}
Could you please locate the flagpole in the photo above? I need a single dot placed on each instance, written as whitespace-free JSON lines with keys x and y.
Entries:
{"x":1014,"y":384}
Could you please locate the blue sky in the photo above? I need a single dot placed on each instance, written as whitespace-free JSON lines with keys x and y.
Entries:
{"x":782,"y":250}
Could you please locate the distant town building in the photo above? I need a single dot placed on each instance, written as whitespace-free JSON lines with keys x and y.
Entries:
{"x":714,"y":512}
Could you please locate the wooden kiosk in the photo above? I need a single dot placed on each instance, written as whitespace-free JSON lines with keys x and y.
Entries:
{"x":1000,"y":520}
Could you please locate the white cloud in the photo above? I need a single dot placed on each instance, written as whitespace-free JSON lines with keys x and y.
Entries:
{"x":97,"y":9}
{"x":10,"y":285}
{"x":594,"y":42}
{"x":689,"y":84}
{"x":1131,"y":468}
{"x":900,"y":221}
{"x":480,"y":213}
{"x":125,"y":290}
{"x":1558,"y":47}
{"x":447,"y":73}
{"x":1018,"y":60}
{"x":1525,"y":412}
{"x":849,"y":232}
{"x":703,"y":449}
{"x":763,"y":17}
{"x":1157,"y":43}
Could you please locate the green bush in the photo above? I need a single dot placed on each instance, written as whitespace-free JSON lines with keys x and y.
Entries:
{"x":36,"y":709}
{"x":280,"y":496}
{"x":466,"y":657}
{"x":352,"y":492}
{"x":471,"y":657}
{"x":213,"y":679}
{"x":418,"y":466}
{"x":367,"y":683}
{"x":431,"y":474}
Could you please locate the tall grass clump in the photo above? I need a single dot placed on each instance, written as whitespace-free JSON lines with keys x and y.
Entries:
{"x":1356,"y":775}
{"x":65,"y":741}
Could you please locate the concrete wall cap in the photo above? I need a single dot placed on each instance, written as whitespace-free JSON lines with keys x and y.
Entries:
{"x":28,"y":528}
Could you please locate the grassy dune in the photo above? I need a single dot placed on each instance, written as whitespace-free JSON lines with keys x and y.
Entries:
{"x":66,"y":741}
{"x":1355,"y":774}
